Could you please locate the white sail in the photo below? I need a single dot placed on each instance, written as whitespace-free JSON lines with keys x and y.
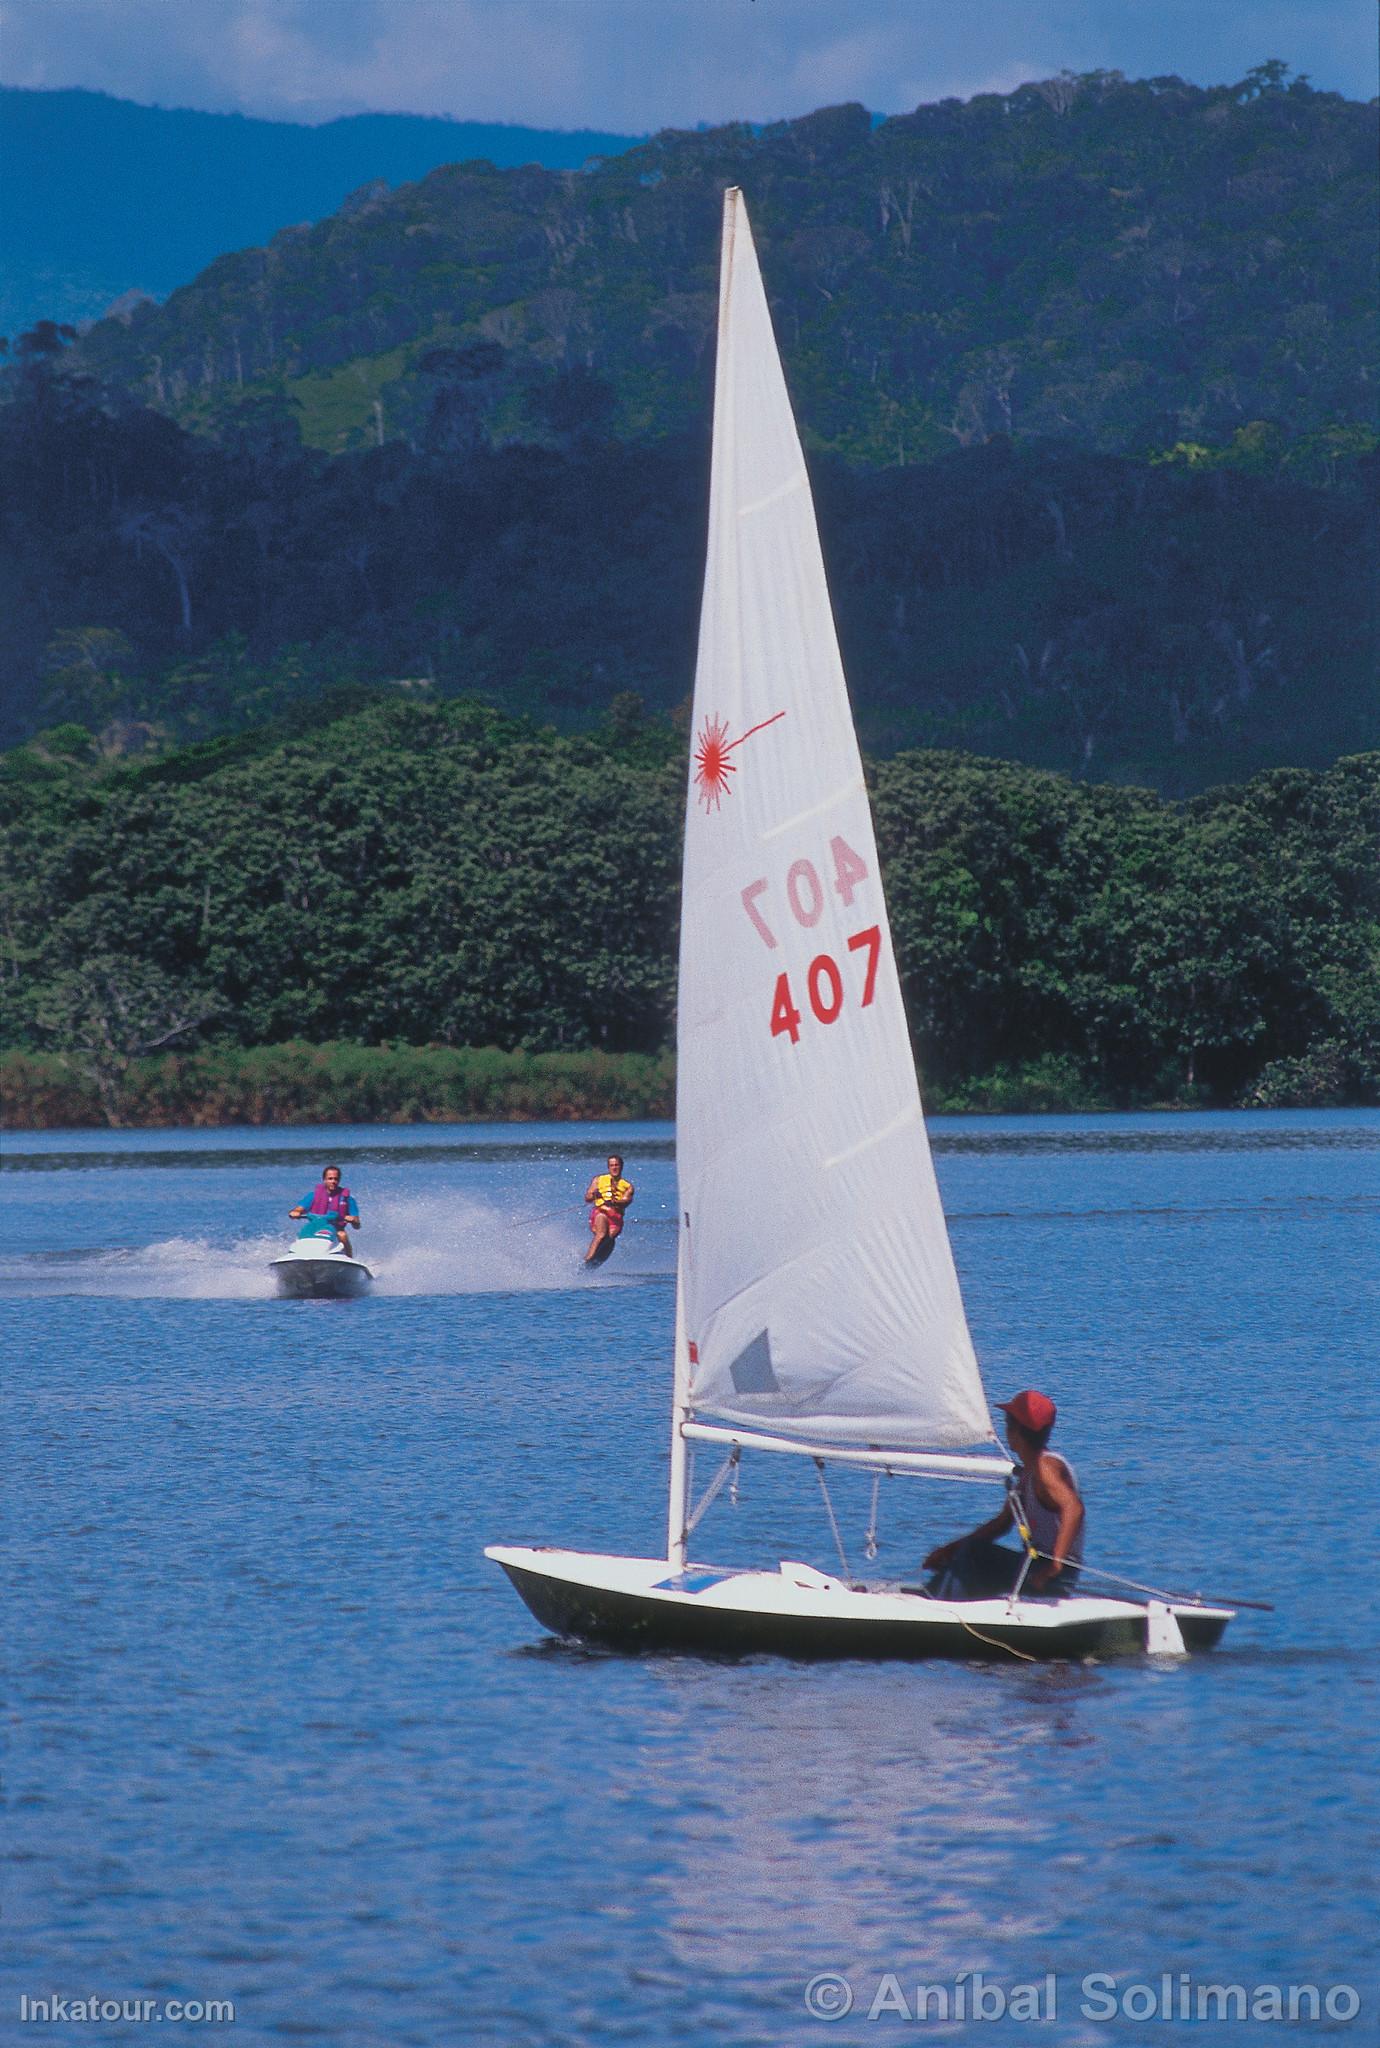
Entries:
{"x":819,"y":1297}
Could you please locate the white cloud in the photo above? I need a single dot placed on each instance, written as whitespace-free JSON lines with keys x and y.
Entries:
{"x":631,"y":65}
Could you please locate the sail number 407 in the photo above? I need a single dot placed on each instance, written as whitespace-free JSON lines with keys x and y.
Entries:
{"x":824,"y":986}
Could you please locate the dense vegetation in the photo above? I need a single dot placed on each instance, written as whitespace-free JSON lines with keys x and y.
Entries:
{"x":1122,"y":264}
{"x":1084,"y":370}
{"x":1175,"y":623}
{"x":418,"y":875}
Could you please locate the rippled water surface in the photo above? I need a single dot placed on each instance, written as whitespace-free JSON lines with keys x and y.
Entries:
{"x":283,"y":1737}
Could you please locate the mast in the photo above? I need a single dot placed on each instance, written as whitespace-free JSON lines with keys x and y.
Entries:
{"x":678,"y":1505}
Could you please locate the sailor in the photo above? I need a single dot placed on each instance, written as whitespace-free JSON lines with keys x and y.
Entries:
{"x":1043,"y":1504}
{"x":329,"y":1207}
{"x":610,"y":1195}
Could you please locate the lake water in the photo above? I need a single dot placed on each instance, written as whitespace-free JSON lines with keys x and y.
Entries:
{"x":284,"y":1738}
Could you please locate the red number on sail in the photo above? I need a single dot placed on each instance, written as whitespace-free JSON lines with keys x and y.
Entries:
{"x":807,"y":906}
{"x":872,"y":940}
{"x":784,"y":1015}
{"x":749,"y":901}
{"x":849,"y":869}
{"x":822,"y":968}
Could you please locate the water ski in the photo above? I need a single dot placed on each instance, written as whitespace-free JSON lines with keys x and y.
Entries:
{"x":601,"y":1251}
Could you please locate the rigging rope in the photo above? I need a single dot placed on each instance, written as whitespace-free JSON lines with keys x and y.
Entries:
{"x":833,"y":1518}
{"x":1013,"y":1498}
{"x":1024,"y":1655}
{"x":711,"y":1491}
{"x":1159,"y":1593}
{"x":1120,"y":1579}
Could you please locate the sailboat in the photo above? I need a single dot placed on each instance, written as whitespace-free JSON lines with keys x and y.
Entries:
{"x":818,"y":1312}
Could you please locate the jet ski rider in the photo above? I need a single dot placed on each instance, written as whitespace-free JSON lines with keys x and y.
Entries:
{"x":328,"y":1208}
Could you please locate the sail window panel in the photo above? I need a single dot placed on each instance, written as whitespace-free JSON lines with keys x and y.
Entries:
{"x":751,"y":1371}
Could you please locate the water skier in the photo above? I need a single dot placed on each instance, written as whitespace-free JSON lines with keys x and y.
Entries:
{"x":609,"y":1195}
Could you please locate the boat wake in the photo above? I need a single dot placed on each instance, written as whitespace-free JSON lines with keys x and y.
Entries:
{"x":480,"y":1247}
{"x":176,"y":1268}
{"x":466,"y":1246}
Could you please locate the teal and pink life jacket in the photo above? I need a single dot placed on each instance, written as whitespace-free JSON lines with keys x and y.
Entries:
{"x":324,"y":1203}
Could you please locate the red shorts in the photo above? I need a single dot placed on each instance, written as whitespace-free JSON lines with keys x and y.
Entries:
{"x":612,"y":1217}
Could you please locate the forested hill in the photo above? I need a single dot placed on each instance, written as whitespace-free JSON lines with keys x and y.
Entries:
{"x":1084,"y":374}
{"x":1122,"y":264}
{"x":103,"y":197}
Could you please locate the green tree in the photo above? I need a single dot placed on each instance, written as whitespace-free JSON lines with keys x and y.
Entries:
{"x":105,"y":1015}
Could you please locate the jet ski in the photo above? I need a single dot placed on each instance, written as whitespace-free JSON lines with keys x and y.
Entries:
{"x":314,"y":1266}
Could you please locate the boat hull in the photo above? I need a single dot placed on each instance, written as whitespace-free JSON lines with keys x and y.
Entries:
{"x":636,"y":1604}
{"x":323,"y":1278}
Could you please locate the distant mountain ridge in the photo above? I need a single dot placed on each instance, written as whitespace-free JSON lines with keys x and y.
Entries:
{"x":103,"y":196}
{"x":1121,"y":264}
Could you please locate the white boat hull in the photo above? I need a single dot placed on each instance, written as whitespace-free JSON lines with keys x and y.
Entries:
{"x":637,"y":1603}
{"x":315,"y":1272}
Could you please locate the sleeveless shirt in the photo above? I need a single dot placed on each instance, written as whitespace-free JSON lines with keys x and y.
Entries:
{"x":1043,"y":1522}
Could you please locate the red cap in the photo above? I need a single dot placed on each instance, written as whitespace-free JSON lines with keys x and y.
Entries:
{"x":1030,"y":1410}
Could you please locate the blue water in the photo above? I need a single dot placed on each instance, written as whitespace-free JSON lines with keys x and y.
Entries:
{"x":283,"y":1737}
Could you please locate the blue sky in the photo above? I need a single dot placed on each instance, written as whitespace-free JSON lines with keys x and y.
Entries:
{"x":632,"y":65}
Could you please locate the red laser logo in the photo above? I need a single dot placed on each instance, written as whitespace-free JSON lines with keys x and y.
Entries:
{"x":712,"y":765}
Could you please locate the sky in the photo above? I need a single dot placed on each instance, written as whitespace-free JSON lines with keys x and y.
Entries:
{"x":630,"y":66}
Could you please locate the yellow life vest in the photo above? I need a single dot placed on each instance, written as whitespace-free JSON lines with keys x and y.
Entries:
{"x":616,"y":1193}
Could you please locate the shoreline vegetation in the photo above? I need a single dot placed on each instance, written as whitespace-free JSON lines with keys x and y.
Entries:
{"x":407,"y":913}
{"x":299,"y":1084}
{"x":295,"y":1083}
